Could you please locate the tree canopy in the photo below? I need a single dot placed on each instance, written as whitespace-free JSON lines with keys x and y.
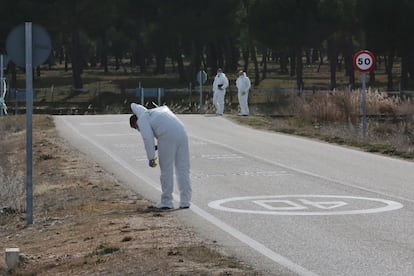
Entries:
{"x":218,"y":33}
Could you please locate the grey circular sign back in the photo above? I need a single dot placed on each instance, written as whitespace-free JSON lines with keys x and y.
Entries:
{"x":201,"y":77}
{"x":16,"y":48}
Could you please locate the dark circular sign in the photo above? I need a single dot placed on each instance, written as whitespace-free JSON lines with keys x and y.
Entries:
{"x":16,"y":46}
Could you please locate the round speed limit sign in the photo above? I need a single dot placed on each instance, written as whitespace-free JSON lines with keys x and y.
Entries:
{"x":364,"y":61}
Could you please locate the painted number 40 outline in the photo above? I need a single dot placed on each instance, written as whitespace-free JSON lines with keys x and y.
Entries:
{"x":305,"y":205}
{"x":285,"y":205}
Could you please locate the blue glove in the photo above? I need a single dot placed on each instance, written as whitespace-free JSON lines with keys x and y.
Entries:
{"x":153,"y":162}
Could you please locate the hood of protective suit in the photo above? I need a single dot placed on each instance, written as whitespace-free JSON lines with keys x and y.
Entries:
{"x":138,"y":109}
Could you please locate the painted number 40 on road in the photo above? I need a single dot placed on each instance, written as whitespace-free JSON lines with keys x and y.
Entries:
{"x":305,"y":205}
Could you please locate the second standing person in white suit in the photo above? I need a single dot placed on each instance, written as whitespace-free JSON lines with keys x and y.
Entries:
{"x":220,"y":84}
{"x":243,"y":86}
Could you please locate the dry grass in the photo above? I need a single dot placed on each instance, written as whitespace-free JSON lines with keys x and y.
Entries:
{"x":12,"y":163}
{"x":337,"y":117}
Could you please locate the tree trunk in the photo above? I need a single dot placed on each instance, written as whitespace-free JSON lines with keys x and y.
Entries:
{"x":348,"y":56}
{"x":411,"y":65}
{"x":284,"y":62}
{"x":256,"y":66}
{"x":333,"y":61}
{"x":231,"y":54}
{"x":212,"y":57}
{"x":12,"y":68}
{"x":245,"y":58}
{"x":76,"y":61}
{"x":264,"y":61}
{"x":299,"y":70}
{"x":308,"y":56}
{"x":389,"y":63}
{"x":66,"y":61}
{"x":61,"y":54}
{"x":292,"y":55}
{"x":404,"y":71}
{"x":195,"y":62}
{"x":104,"y":54}
{"x":180,"y":65}
{"x":141,"y":53}
{"x":160,"y":63}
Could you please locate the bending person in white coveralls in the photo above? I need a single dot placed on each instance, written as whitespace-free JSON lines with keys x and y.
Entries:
{"x":173,"y":150}
{"x":220,"y":83}
{"x":243,"y":86}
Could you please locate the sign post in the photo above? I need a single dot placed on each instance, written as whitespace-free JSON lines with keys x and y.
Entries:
{"x":364,"y":61}
{"x":201,"y":79}
{"x":29,"y":46}
{"x":29,"y":125}
{"x":3,"y":107}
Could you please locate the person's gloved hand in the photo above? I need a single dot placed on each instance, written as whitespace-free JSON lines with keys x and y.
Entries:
{"x":243,"y":93}
{"x":220,"y":86}
{"x":153,"y":162}
{"x":156,"y":147}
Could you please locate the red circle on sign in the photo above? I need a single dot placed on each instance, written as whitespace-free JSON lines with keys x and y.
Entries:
{"x":364,"y":61}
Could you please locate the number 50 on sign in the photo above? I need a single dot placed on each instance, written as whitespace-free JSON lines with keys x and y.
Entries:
{"x":364,"y":61}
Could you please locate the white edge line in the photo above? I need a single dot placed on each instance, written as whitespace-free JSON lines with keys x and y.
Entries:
{"x":207,"y":216}
{"x":252,"y":243}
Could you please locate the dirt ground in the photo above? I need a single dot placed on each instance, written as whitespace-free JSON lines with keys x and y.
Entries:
{"x":86,"y":223}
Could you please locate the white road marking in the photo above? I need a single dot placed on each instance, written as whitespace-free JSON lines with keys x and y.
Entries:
{"x":126,"y":146}
{"x":105,"y":123}
{"x":115,"y":134}
{"x":200,"y":175}
{"x":292,"y":208}
{"x":324,"y":204}
{"x":287,"y":205}
{"x":221,"y":156}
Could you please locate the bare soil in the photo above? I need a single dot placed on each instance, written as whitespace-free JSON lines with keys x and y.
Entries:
{"x":86,"y":223}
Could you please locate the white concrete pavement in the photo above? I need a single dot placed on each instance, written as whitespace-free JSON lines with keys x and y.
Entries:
{"x":289,"y":206}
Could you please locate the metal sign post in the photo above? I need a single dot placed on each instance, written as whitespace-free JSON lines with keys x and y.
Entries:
{"x":29,"y":46}
{"x":29,"y":125}
{"x":2,"y":101}
{"x":201,"y":79}
{"x":364,"y":104}
{"x":364,"y":61}
{"x":3,"y":85}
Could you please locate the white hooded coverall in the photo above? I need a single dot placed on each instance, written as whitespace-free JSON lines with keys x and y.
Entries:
{"x":173,"y":150}
{"x":243,"y":86}
{"x":219,"y":92}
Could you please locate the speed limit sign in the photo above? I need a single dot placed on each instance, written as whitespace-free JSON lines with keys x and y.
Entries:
{"x":364,"y":61}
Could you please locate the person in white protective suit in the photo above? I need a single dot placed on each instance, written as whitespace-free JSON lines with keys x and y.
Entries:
{"x":220,"y":84}
{"x":243,"y":86}
{"x":161,"y":124}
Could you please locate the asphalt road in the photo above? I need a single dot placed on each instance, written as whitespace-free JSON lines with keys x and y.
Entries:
{"x":287,"y":205}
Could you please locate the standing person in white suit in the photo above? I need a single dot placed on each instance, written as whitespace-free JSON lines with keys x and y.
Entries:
{"x":243,"y":86}
{"x":220,"y":84}
{"x":173,"y":151}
